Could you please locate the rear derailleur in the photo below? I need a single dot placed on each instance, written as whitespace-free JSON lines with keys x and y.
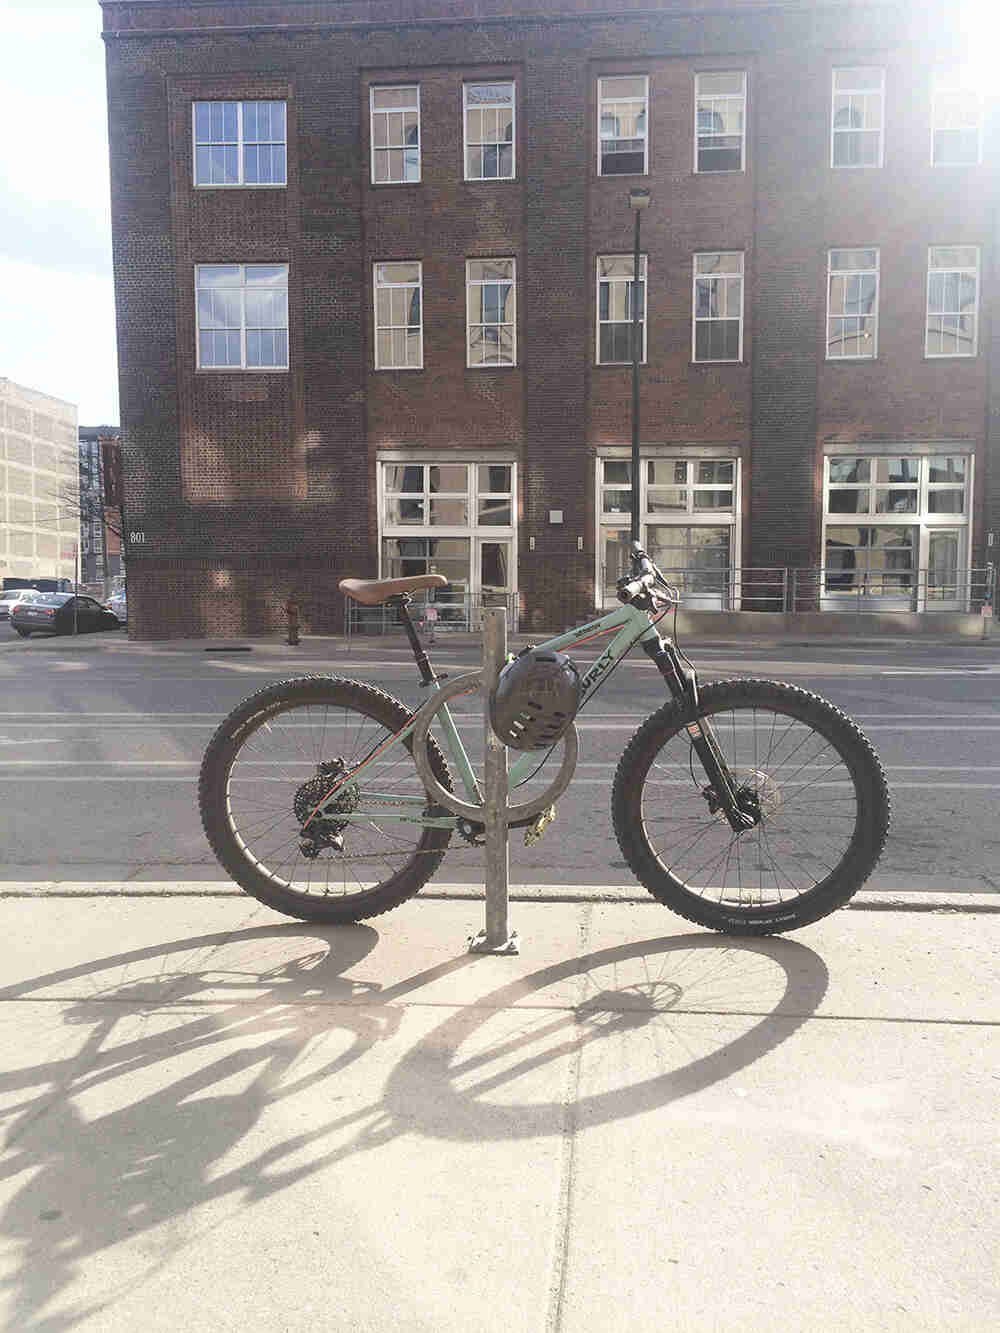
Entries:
{"x":324,"y":830}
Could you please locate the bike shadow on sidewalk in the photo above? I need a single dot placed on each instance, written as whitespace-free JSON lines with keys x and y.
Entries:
{"x":97,"y":1178}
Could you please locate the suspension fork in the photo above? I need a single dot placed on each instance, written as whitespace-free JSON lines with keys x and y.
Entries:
{"x":682,"y":683}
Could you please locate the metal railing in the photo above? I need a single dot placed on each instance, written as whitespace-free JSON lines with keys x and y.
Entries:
{"x":923,"y":590}
{"x":761,"y":588}
{"x":449,"y":614}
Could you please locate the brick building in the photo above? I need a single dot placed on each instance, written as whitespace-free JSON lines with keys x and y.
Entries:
{"x":373,"y":270}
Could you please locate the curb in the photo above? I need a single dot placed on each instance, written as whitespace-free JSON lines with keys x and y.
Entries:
{"x":618,"y":895}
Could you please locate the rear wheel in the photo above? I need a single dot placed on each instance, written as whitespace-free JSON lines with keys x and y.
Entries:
{"x":274,"y":759}
{"x":806,"y":771}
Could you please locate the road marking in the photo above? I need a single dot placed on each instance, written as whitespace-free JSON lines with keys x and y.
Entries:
{"x":579,"y":782}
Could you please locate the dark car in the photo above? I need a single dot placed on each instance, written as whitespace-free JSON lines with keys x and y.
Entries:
{"x":55,"y":612}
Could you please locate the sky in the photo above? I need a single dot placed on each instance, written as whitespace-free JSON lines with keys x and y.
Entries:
{"x":57,"y":315}
{"x":57,"y":324}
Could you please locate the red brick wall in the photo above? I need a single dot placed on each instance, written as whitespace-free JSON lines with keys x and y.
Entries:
{"x":243,"y":482}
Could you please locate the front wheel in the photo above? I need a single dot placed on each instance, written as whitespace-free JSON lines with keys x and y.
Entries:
{"x":807,"y":772}
{"x":274,"y":759}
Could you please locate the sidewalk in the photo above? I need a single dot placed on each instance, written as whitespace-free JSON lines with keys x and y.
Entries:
{"x":221,"y":1119}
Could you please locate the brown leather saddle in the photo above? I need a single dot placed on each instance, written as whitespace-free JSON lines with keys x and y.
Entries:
{"x":370,"y":592}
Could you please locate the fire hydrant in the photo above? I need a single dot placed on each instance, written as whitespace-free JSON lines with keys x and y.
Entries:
{"x":292,"y":612}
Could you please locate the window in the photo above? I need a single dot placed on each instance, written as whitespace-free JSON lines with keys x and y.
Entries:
{"x":687,"y":509}
{"x":952,"y":300}
{"x":896,"y":526}
{"x":395,"y":135}
{"x":852,"y":304}
{"x":491,"y":315}
{"x":858,"y":102}
{"x":450,"y":518}
{"x":720,"y":121}
{"x":718,"y":307}
{"x":239,"y":143}
{"x":623,"y":142}
{"x":488,"y":110}
{"x":615,"y":285}
{"x":399,"y":329}
{"x":956,"y":120}
{"x":242,"y":316}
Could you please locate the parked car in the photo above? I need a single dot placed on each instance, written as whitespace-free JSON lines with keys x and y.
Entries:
{"x":54,"y":613}
{"x":10,"y":599}
{"x":118,"y":603}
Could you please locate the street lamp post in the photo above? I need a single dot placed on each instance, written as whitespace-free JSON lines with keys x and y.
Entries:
{"x":638,"y":199}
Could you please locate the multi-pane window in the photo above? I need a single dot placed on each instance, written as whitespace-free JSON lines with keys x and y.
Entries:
{"x":240,"y":143}
{"x":395,"y":135}
{"x":852,"y":304}
{"x":718,"y":307}
{"x":242,"y":316}
{"x":720,"y":121}
{"x":956,"y":119}
{"x":455,"y":519}
{"x":886,"y":518}
{"x":491,"y":312}
{"x":952,"y":300}
{"x":687,"y":509}
{"x":488,"y":110}
{"x":622,"y":117}
{"x":615,"y":294}
{"x":399,"y":329}
{"x":858,"y":117}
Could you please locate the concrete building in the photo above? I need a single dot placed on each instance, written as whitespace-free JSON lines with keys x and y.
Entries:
{"x":100,"y":505}
{"x":374,"y":274}
{"x":39,"y":485}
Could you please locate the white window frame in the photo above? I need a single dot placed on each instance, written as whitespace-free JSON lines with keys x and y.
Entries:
{"x":486,"y":106}
{"x":372,"y":113}
{"x":389,"y":286}
{"x":853,"y":273}
{"x":923,"y":520}
{"x":950,"y":81}
{"x":729,"y":97}
{"x":644,"y":100}
{"x":471,"y":531}
{"x":690,"y":518}
{"x":599,"y":323}
{"x":856,"y":92}
{"x":240,"y":183}
{"x":510,"y":324}
{"x":696,"y":320}
{"x":262,"y":370}
{"x":961,"y":356}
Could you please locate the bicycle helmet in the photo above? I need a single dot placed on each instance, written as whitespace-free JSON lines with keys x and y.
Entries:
{"x":535,"y":700}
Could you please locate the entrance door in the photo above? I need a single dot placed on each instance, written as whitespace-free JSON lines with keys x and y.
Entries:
{"x":946,"y":589}
{"x":495,"y":570}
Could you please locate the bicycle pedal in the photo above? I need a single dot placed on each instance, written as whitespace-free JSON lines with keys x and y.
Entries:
{"x":538,"y":826}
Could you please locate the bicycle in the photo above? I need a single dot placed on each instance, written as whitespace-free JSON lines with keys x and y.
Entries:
{"x":313,"y":800}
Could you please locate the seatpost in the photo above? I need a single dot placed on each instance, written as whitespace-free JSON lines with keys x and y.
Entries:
{"x":402,"y":601}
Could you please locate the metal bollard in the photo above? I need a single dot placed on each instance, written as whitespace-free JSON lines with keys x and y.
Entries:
{"x":497,"y":937}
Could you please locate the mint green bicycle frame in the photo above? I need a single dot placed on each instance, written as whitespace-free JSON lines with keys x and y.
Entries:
{"x":633,"y":625}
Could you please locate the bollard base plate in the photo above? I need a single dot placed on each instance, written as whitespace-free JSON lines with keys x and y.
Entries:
{"x":478,"y":944}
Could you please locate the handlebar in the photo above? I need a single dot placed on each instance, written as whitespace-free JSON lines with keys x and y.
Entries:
{"x":645,"y":578}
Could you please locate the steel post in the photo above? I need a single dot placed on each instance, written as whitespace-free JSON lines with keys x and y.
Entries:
{"x":497,"y":937}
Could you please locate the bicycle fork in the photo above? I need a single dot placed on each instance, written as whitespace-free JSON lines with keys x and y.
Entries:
{"x":741,"y":808}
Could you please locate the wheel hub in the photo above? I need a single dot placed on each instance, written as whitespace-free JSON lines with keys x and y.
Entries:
{"x":757,"y":795}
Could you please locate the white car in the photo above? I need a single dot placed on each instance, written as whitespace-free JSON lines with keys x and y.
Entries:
{"x":12,"y":596}
{"x":118,"y":604}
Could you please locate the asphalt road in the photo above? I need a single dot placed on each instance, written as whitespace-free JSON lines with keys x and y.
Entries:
{"x":100,"y":742}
